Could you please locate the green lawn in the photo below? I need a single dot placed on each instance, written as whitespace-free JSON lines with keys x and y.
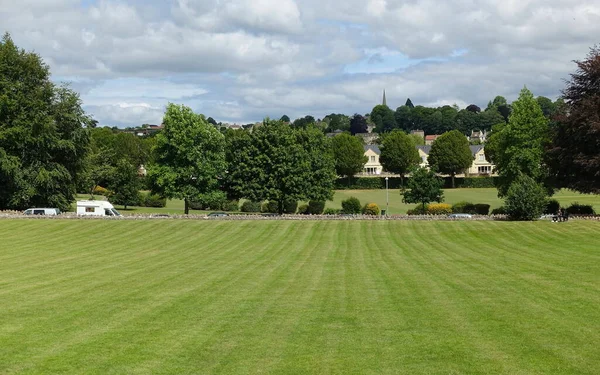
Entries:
{"x":308,"y":297}
{"x":487,"y":196}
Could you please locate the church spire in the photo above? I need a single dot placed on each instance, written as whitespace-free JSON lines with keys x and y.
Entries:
{"x":384,"y":101}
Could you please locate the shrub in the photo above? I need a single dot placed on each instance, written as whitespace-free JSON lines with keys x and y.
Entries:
{"x":499,"y":211}
{"x":316,"y":207}
{"x":212,"y":201}
{"x":371,"y":209}
{"x":231,"y":205}
{"x":332,"y":211}
{"x":482,"y":209}
{"x":580,"y":209}
{"x":249,"y":206}
{"x":418,"y":210}
{"x":525,"y":199}
{"x":99,"y":190}
{"x":439,"y":209}
{"x":552,"y":207}
{"x":270,"y":207}
{"x":351,"y":206}
{"x":153,"y":200}
{"x":290,"y":207}
{"x":463,"y":208}
{"x":303,"y":209}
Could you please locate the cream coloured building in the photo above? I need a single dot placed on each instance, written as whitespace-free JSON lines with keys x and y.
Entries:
{"x":372,"y":166}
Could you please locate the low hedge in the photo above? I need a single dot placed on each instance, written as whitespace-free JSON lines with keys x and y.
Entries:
{"x":580,"y":209}
{"x":373,"y":183}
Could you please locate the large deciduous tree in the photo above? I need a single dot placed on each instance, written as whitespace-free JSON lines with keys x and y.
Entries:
{"x":575,"y":151}
{"x":43,"y":133}
{"x":349,"y":155}
{"x":190,"y":156}
{"x":423,"y":187}
{"x":450,"y":154}
{"x":518,"y":147}
{"x":124,"y":184}
{"x":398,"y":153}
{"x":383,"y":118}
{"x":279,"y":163}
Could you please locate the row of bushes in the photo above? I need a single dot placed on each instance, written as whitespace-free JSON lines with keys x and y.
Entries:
{"x":352,"y":206}
{"x":552,"y":207}
{"x":371,"y":183}
{"x":446,"y":209}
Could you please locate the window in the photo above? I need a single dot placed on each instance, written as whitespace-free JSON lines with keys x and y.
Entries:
{"x":89,"y":209}
{"x":485,"y":169}
{"x":108,"y":212}
{"x":373,"y":159}
{"x":481,"y":157}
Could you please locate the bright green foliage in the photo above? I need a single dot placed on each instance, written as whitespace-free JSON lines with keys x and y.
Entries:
{"x":398,"y":153}
{"x":383,"y":118}
{"x":450,"y":154}
{"x":190,"y":156}
{"x":371,"y":209}
{"x":43,"y":135}
{"x":279,"y":163}
{"x":518,"y":147}
{"x":351,"y":206}
{"x":125,"y":184}
{"x":418,"y":140}
{"x":423,"y":187}
{"x":525,"y":199}
{"x":349,"y":155}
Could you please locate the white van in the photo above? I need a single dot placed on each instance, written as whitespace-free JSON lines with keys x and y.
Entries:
{"x":42,"y":211}
{"x":96,"y":208}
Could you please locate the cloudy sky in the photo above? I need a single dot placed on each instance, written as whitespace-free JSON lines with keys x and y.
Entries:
{"x":241,"y":60}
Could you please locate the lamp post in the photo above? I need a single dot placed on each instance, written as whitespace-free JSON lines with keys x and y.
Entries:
{"x":387,"y":196}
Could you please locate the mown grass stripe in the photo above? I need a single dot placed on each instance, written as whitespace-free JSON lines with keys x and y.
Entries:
{"x":378,"y":297}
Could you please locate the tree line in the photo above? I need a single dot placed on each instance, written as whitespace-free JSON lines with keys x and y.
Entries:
{"x":50,"y":149}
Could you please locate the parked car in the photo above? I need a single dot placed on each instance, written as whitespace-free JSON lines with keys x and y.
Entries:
{"x":460,"y":216}
{"x":217,"y":214}
{"x":42,"y":211}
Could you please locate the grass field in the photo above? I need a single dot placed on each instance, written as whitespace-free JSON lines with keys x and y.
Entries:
{"x":318,"y":297}
{"x":488,"y":196}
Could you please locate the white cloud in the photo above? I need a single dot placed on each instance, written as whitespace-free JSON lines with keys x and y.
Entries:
{"x":241,"y":60}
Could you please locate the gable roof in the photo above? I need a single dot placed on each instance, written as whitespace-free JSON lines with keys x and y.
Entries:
{"x":425,"y":149}
{"x":374,"y":148}
{"x":475,"y":149}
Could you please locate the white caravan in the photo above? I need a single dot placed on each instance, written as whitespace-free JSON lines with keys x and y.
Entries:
{"x":96,"y":208}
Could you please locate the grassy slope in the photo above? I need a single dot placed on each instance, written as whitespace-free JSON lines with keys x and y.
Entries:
{"x":175,"y":297}
{"x":489,"y":196}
